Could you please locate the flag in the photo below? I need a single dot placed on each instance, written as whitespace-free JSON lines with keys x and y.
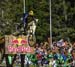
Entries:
{"x":60,"y":43}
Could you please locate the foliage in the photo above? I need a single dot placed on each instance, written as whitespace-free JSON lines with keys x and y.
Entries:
{"x":63,"y":13}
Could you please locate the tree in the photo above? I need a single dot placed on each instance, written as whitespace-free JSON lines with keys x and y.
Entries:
{"x":63,"y":13}
{"x":62,"y":19}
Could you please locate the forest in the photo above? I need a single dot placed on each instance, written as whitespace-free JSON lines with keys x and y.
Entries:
{"x":62,"y":15}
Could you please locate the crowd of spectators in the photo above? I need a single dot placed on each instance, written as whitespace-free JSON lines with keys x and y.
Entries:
{"x":62,"y":54}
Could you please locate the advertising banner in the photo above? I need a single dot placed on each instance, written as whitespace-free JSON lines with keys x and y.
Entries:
{"x":17,"y":44}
